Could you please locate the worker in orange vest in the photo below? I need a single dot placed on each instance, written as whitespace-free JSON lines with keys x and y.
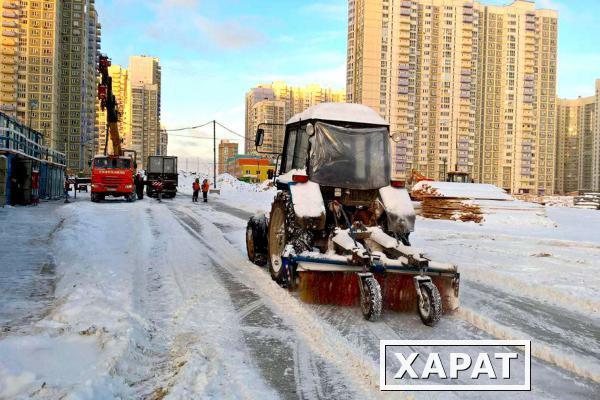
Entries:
{"x":205,"y":187}
{"x":196,"y":188}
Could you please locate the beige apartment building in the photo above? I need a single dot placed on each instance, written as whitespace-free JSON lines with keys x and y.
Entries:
{"x":227,"y":149}
{"x":576,"y":120}
{"x":79,"y":46}
{"x":281,"y":96}
{"x":48,"y":72}
{"x":38,"y":70}
{"x":164,"y":141}
{"x":469,"y":87}
{"x":596,"y":143}
{"x":9,"y":57}
{"x":143,"y":115}
{"x":269,"y":112}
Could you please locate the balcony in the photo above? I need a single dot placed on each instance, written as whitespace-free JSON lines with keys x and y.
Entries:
{"x":9,"y":89}
{"x":11,"y":5}
{"x":7,"y":60}
{"x":10,"y":14}
{"x":8,"y":97}
{"x":8,"y":69}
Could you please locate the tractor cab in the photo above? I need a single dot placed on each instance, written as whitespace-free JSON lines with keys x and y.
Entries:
{"x":345,"y":147}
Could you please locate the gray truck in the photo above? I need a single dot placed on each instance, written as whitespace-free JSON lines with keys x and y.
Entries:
{"x":165,"y":168}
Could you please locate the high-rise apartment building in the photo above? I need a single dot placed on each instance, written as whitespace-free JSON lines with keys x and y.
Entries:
{"x":469,"y":87}
{"x":227,"y":149}
{"x":255,"y":95}
{"x":143,"y":116}
{"x":596,"y":143}
{"x":49,"y":53}
{"x":9,"y":61}
{"x":576,"y":120}
{"x":38,"y":70}
{"x":292,"y":99}
{"x":273,"y":114}
{"x":79,"y":47}
{"x":164,"y":141}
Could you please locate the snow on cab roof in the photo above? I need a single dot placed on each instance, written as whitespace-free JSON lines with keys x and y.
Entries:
{"x":344,"y":112}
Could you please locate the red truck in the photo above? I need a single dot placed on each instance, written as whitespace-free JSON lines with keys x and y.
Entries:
{"x":113,"y":176}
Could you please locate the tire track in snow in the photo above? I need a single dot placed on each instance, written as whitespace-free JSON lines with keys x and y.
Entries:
{"x":267,"y":338}
{"x":149,"y":364}
{"x":320,"y":375}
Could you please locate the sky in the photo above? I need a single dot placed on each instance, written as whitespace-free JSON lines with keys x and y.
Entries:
{"x":213,"y":51}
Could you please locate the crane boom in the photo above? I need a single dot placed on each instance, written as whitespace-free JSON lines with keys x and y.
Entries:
{"x":108,"y":102}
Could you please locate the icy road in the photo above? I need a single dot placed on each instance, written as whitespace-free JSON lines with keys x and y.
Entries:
{"x":157,"y":300}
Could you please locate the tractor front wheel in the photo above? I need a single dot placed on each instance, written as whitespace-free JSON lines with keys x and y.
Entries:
{"x":430,"y":305}
{"x":370,"y":301}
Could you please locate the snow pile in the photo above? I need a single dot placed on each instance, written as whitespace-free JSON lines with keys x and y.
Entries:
{"x":307,"y":199}
{"x":459,"y":191}
{"x":251,"y":197}
{"x":558,"y":201}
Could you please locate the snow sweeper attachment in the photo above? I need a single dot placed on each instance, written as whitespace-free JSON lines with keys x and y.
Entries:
{"x":338,"y":230}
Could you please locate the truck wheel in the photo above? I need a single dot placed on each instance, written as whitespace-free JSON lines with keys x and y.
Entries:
{"x":256,"y":240}
{"x":370,"y":302}
{"x":430,"y":307}
{"x":277,"y":239}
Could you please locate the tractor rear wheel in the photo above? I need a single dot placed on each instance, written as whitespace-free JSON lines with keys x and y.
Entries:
{"x":277,"y":240}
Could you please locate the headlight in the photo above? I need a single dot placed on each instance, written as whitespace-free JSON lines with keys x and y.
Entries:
{"x":95,"y":185}
{"x":128,"y":186}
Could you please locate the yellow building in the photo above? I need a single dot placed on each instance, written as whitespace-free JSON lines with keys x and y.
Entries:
{"x":280,"y":102}
{"x":575,"y":138}
{"x":469,"y":87}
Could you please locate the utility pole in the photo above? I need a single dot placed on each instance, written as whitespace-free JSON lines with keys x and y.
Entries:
{"x":214,"y":154}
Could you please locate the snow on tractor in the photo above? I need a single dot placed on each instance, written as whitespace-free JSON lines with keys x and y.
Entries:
{"x":339,"y":226}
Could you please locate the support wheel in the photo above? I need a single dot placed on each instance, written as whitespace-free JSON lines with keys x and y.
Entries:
{"x":277,"y":239}
{"x":430,"y":307}
{"x":370,"y":302}
{"x":256,"y":240}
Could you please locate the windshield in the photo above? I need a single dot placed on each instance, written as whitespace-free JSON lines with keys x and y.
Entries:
{"x":121,"y":163}
{"x":354,"y":158}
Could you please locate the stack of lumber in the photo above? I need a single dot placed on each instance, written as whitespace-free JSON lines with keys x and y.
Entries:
{"x":457,"y":201}
{"x":452,"y":209}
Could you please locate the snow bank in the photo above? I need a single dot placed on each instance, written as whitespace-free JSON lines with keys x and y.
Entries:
{"x":252,"y":197}
{"x":460,"y":190}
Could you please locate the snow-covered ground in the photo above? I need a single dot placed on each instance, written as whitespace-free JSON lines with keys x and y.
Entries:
{"x":157,"y":300}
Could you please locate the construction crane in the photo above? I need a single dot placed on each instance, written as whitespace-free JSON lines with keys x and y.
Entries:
{"x":112,"y":174}
{"x":108,"y":102}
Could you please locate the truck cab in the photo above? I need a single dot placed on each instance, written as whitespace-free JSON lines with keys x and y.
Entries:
{"x":112,"y":176}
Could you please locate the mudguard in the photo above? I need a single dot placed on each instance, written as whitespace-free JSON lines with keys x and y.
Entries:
{"x":399,"y":209}
{"x":308,"y":203}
